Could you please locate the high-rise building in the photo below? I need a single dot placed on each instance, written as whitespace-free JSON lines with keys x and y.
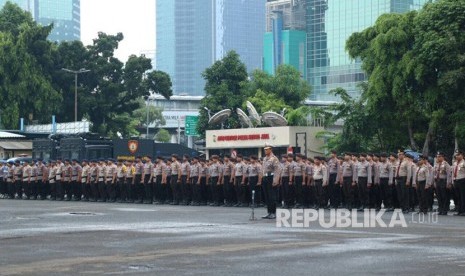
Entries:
{"x":329,"y":25}
{"x":193,"y":34}
{"x":64,"y":14}
{"x":285,"y":37}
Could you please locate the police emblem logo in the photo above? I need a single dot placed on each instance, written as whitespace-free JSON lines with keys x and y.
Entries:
{"x":133,"y":145}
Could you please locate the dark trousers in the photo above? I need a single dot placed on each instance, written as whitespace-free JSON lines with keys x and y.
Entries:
{"x":148,"y":193}
{"x":460,"y":184}
{"x":308,"y":194}
{"x":175,"y":189}
{"x":423,"y":196}
{"x":11,"y":188}
{"x":27,"y":188}
{"x":195,"y":185}
{"x":111,"y":190}
{"x":363,"y":191}
{"x":19,"y":187}
{"x":139,"y":189}
{"x":86,"y":189}
{"x":286,"y":190}
{"x":348,"y":191}
{"x":203,"y":190}
{"x":186,"y":189}
{"x":42,"y":188}
{"x":271,"y":194}
{"x":402,"y":192}
{"x":386,"y":192}
{"x":33,"y":188}
{"x":77,"y":191}
{"x":238,"y":189}
{"x":375,"y":196}
{"x":160,"y":190}
{"x":215,"y":190}
{"x":102,"y":190}
{"x":441,"y":194}
{"x":68,"y":189}
{"x":229,"y":192}
{"x":130,"y":190}
{"x":332,"y":191}
{"x":299,"y":193}
{"x":94,"y":189}
{"x":319,"y":193}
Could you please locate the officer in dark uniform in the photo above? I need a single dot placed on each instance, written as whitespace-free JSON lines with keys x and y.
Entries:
{"x":271,"y":176}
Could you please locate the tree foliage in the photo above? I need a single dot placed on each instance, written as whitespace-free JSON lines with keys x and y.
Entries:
{"x":32,"y":82}
{"x":163,"y":136}
{"x":415,"y":75}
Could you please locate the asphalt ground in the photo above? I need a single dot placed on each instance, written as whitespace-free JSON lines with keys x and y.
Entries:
{"x":75,"y":238}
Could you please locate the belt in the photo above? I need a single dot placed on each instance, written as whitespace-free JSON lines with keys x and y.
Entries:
{"x":269,"y":174}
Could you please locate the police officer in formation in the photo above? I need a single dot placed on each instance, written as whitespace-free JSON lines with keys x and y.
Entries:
{"x":353,"y":181}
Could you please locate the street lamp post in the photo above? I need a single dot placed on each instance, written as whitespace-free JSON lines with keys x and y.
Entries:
{"x":76,"y":73}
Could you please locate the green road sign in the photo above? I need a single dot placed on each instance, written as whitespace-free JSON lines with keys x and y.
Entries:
{"x":191,"y":125}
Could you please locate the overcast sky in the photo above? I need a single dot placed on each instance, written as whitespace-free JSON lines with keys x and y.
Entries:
{"x":134,"y":18}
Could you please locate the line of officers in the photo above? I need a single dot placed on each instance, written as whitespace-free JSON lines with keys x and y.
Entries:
{"x":350,"y":181}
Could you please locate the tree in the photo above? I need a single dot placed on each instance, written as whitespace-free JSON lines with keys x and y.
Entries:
{"x":155,"y":115}
{"x":284,"y":90}
{"x":25,"y":81}
{"x":163,"y":136}
{"x":111,"y":93}
{"x":223,"y":89}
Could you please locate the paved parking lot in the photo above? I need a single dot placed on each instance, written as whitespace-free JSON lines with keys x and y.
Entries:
{"x":58,"y":238}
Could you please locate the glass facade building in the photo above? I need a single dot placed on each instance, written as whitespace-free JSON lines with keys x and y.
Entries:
{"x":329,"y":25}
{"x":192,"y":34}
{"x":285,"y":37}
{"x":64,"y":14}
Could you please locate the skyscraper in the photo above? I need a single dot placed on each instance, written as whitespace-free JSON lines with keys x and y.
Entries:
{"x":192,"y":34}
{"x":64,"y":14}
{"x":329,"y":25}
{"x":285,"y":38}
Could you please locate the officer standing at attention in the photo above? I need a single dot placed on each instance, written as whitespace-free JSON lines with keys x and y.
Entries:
{"x":270,"y":181}
{"x":458,"y":177}
{"x":333,"y":189}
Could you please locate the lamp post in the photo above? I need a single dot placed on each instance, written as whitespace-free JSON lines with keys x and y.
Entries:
{"x":76,"y":73}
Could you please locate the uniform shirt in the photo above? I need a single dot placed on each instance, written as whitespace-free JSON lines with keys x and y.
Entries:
{"x":384,"y":170}
{"x":346,"y":169}
{"x":139,"y":168}
{"x":228,"y":168}
{"x":195,"y":170}
{"x":422,"y":173}
{"x":215,"y":169}
{"x":185,"y":167}
{"x":175,"y":166}
{"x":239,"y":169}
{"x":254,"y":169}
{"x":404,"y":169}
{"x":158,"y":169}
{"x":458,"y":170}
{"x":309,"y":171}
{"x":286,"y":169}
{"x":298,"y":169}
{"x":203,"y":171}
{"x":18,"y":171}
{"x":147,"y":168}
{"x":363,"y":169}
{"x":333,"y":166}
{"x":59,"y":170}
{"x":27,"y":172}
{"x":442,"y":171}
{"x":130,"y":171}
{"x":84,"y":173}
{"x":75,"y":169}
{"x":101,"y":171}
{"x":110,"y":172}
{"x":40,"y":171}
{"x":167,"y":170}
{"x":120,"y":171}
{"x":67,"y":171}
{"x":52,"y":173}
{"x":320,"y":172}
{"x":34,"y":172}
{"x":271,"y":167}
